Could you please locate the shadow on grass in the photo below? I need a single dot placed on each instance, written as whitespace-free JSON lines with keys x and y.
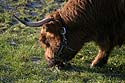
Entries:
{"x":111,"y":71}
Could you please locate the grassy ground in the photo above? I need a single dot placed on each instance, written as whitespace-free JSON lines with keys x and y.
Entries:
{"x":22,"y":59}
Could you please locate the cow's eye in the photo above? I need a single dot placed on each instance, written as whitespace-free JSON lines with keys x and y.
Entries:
{"x":45,"y":40}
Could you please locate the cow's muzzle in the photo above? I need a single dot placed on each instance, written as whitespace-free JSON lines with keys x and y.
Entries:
{"x":54,"y":63}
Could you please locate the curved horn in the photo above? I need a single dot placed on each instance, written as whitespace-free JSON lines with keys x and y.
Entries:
{"x":34,"y":24}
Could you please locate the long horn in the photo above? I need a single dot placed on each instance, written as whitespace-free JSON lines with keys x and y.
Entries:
{"x":34,"y":24}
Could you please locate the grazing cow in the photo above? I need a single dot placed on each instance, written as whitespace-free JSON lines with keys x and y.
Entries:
{"x":66,"y":30}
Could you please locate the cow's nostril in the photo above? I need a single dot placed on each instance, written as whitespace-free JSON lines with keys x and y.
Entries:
{"x":48,"y":57}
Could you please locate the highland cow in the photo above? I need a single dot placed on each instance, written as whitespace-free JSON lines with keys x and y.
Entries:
{"x":66,"y":30}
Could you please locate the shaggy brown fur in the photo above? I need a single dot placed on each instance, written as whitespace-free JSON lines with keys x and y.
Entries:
{"x":101,"y":21}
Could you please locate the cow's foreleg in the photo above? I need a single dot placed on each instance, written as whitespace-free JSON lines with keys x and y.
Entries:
{"x":101,"y":58}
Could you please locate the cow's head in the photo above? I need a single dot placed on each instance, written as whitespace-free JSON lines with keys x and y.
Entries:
{"x":53,"y":38}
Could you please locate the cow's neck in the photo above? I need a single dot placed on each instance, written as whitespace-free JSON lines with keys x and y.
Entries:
{"x":74,"y":40}
{"x":75,"y":16}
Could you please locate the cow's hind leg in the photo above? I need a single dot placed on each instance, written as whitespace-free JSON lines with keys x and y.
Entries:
{"x":101,"y":58}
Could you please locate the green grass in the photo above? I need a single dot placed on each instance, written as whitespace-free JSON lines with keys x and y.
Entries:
{"x":22,"y":59}
{"x":17,"y":66}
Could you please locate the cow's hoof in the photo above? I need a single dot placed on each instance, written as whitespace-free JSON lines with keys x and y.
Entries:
{"x":99,"y":64}
{"x":96,"y":65}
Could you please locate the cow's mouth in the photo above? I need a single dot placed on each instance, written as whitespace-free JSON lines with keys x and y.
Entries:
{"x":51,"y":63}
{"x":62,"y":59}
{"x":54,"y":63}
